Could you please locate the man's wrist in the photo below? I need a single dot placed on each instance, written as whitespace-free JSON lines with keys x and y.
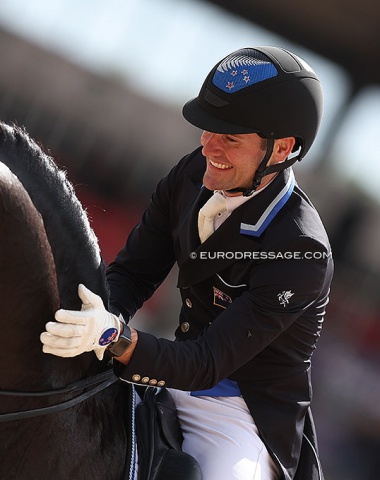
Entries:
{"x":125,"y":358}
{"x":124,"y":341}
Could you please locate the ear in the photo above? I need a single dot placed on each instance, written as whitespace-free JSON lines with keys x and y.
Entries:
{"x":282,"y":149}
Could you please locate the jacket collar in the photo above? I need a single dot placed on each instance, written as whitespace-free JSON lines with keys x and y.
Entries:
{"x":237,"y":232}
{"x":268,"y":203}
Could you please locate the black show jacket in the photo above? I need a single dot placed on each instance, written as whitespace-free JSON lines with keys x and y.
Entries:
{"x":254,"y":297}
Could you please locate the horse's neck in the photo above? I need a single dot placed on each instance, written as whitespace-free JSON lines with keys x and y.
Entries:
{"x":73,"y":243}
{"x":28,"y":295}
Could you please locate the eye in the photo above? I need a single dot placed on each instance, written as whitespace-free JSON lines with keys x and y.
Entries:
{"x":231,"y":139}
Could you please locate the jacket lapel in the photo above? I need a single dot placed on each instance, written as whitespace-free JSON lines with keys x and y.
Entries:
{"x":268,"y":203}
{"x":188,"y":223}
{"x":239,"y":233}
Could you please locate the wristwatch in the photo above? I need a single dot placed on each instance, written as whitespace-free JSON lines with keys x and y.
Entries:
{"x":118,"y":348}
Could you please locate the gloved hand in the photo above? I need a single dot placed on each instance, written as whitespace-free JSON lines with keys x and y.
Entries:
{"x":75,"y":332}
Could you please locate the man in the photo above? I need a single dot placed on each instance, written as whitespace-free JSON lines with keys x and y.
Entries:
{"x":254,"y":290}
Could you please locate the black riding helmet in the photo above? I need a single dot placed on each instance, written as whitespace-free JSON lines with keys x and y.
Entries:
{"x":263,"y":90}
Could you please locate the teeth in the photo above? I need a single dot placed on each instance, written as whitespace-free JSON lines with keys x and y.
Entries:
{"x":220,"y":165}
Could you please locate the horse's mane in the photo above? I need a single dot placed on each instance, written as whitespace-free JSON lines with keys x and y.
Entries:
{"x":47,"y":248}
{"x":73,"y":242}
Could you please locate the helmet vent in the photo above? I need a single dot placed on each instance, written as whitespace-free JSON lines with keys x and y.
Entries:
{"x":214,"y":99}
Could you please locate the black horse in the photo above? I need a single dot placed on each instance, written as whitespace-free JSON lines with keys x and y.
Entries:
{"x":59,"y":418}
{"x":64,"y":418}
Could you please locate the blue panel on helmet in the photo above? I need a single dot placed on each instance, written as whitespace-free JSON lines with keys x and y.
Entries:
{"x":238,"y":72}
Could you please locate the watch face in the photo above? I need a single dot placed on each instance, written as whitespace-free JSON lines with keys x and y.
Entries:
{"x":108,"y":336}
{"x":123,"y":343}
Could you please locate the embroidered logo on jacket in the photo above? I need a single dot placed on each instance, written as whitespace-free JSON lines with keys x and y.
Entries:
{"x":284,"y":296}
{"x":221,"y":299}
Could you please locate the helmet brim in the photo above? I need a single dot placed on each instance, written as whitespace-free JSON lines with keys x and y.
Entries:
{"x":199,"y":117}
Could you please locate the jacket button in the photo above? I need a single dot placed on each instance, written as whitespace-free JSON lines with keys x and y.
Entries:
{"x":153,"y":381}
{"x":161,"y":383}
{"x":185,"y":327}
{"x":136,"y":377}
{"x":145,"y":380}
{"x":188,"y":303}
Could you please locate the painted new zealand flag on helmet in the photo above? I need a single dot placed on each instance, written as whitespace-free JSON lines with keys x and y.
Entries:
{"x":239,"y":71}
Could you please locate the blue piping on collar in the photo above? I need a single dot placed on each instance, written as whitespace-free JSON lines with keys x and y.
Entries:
{"x":271,"y":211}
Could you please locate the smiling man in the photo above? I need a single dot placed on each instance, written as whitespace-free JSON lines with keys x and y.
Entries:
{"x":232,"y":160}
{"x":255,"y":269}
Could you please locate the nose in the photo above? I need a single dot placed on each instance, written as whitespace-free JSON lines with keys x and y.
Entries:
{"x":210,"y":143}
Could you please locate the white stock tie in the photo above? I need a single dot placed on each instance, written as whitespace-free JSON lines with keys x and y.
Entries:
{"x":216,"y":204}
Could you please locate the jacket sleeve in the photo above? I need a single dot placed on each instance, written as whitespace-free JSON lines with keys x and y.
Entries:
{"x":147,"y":257}
{"x":281,"y":311}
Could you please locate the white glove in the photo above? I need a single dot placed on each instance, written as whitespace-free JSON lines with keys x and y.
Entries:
{"x":75,"y":332}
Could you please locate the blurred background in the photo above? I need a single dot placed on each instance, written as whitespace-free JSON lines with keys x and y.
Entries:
{"x":101,"y":86}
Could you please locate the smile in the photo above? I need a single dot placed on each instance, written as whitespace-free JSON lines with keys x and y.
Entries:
{"x":221,"y":166}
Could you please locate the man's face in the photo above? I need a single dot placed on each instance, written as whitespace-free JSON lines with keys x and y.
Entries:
{"x":232,"y":160}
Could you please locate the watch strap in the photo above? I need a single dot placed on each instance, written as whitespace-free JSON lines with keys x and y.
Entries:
{"x":118,"y":348}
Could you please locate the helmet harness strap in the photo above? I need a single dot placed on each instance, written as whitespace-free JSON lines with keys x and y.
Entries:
{"x":265,"y":169}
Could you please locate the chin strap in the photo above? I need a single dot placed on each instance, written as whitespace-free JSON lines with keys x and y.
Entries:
{"x":265,"y":170}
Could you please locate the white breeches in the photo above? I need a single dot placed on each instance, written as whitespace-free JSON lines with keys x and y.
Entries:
{"x":220,"y":434}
